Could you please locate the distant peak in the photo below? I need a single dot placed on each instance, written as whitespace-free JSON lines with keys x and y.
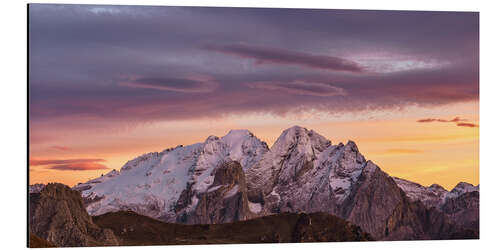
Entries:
{"x":464,"y":187}
{"x":297,"y":134}
{"x":463,"y":184}
{"x":437,"y":187}
{"x":238,"y":132}
{"x":212,"y":138}
{"x":351,"y":145}
{"x":295,"y":129}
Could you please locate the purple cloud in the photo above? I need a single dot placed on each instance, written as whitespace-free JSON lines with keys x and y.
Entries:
{"x":300,"y":88}
{"x":186,"y":85}
{"x":280,"y":56}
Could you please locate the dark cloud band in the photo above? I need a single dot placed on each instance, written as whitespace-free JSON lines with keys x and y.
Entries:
{"x":185,"y":85}
{"x":35,"y":162}
{"x":280,"y":56}
{"x":78,"y":166}
{"x":300,"y":88}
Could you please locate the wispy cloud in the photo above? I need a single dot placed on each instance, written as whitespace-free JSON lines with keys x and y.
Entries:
{"x":198,"y":84}
{"x":37,"y":162}
{"x":457,"y":120}
{"x":280,"y":56}
{"x":466,"y":124}
{"x":70,"y":164}
{"x":301,"y":88}
{"x":79,"y":166}
{"x":61,"y":148}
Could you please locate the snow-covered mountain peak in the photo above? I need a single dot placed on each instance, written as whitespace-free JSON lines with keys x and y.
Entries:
{"x":211,"y":138}
{"x":302,"y":139}
{"x":244,"y":147}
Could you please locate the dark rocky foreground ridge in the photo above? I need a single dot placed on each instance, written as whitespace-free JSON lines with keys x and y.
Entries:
{"x":57,"y":218}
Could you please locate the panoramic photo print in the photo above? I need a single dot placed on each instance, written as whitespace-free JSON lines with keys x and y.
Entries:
{"x":158,"y":125}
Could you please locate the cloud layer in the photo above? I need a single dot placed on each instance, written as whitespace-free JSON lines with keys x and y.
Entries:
{"x":70,"y":164}
{"x":126,"y":65}
{"x":300,"y":88}
{"x":78,"y":166}
{"x":281,"y":56}
{"x":185,"y":85}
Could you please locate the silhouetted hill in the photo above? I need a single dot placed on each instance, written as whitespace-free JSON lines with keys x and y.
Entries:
{"x":134,"y":229}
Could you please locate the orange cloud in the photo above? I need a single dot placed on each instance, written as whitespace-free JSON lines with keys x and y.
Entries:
{"x":456,"y":119}
{"x":79,"y":166}
{"x":67,"y":161}
{"x":466,"y":124}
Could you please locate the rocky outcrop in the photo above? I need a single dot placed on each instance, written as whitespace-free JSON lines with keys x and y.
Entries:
{"x":225,"y":200}
{"x":464,"y":210}
{"x":431,"y":196}
{"x":57,"y":215}
{"x":460,"y":205}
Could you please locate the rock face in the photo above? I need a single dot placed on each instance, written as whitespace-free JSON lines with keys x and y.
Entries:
{"x":57,"y":215}
{"x":460,"y":205}
{"x":431,"y":196}
{"x":225,"y":200}
{"x":237,"y":177}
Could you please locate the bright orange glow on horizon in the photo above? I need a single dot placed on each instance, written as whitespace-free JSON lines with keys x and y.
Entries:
{"x":427,"y":153}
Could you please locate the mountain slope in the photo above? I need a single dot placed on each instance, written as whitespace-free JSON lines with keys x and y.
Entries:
{"x":153,"y":184}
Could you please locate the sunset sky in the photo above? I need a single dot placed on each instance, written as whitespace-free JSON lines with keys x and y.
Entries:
{"x":109,"y":83}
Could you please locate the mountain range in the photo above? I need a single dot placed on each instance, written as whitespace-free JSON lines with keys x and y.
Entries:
{"x":237,"y":177}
